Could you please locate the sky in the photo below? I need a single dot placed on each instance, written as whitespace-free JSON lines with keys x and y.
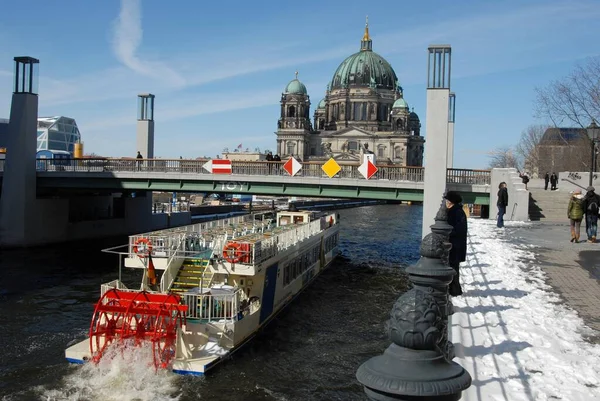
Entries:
{"x":218,"y":68}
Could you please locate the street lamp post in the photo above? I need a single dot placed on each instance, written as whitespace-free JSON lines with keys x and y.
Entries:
{"x":593,"y":132}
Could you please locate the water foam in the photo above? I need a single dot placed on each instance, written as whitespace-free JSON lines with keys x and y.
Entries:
{"x":125,"y":372}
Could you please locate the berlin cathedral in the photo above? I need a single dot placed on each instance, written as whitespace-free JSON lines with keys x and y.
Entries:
{"x":363,"y":111}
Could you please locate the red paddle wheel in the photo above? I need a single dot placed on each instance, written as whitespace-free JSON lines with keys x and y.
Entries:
{"x":148,"y":318}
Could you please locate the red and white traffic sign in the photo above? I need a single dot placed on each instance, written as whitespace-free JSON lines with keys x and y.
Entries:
{"x":218,"y":166}
{"x":367,"y":169}
{"x":292,"y":166}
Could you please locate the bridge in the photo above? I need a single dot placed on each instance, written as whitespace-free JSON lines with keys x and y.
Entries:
{"x":390,"y":182}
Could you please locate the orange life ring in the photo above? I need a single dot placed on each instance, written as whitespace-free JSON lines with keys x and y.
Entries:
{"x":142,"y":247}
{"x":232,"y":252}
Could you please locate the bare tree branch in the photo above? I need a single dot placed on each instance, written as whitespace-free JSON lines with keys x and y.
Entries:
{"x":503,"y":157}
{"x":575,"y":99}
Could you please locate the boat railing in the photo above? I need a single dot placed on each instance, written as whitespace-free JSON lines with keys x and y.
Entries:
{"x":268,"y":247}
{"x":173,"y":266}
{"x":213,"y":307}
{"x":115,"y":284}
{"x":164,"y":242}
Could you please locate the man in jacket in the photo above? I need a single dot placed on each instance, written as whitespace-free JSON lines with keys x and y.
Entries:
{"x":591,"y":203}
{"x":502,"y":203}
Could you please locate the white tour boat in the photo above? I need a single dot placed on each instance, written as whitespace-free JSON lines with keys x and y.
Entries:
{"x":221,"y":282}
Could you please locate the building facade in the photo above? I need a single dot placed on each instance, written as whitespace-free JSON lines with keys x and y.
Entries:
{"x":364,"y":111}
{"x":564,"y":149}
{"x":57,"y":133}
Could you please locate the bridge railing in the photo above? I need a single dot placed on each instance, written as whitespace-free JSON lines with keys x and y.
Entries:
{"x":348,"y":169}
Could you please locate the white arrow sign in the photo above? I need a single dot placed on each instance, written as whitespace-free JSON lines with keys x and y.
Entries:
{"x":218,"y":166}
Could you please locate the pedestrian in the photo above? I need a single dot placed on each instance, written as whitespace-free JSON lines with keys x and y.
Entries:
{"x":575,"y":214}
{"x":502,"y":203}
{"x":269,"y":162}
{"x":525,"y":178}
{"x":546,"y":180}
{"x":277,"y":159}
{"x":458,"y":238}
{"x":139,"y":158}
{"x":553,"y":181}
{"x":591,"y":201}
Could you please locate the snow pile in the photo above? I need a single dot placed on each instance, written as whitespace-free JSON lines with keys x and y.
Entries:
{"x":512,"y":332}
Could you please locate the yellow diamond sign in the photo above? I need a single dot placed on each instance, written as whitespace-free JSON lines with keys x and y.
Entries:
{"x":331,"y":168}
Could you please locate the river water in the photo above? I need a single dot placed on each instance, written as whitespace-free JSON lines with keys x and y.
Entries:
{"x":310,"y":352}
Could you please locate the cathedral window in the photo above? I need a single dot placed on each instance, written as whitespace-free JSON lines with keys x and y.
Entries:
{"x":291,"y":111}
{"x":381,"y":151}
{"x":363,"y":115}
{"x":290,"y":148}
{"x":356,"y":111}
{"x":352,"y":145}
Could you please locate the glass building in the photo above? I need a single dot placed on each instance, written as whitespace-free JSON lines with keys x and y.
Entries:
{"x":57,"y":133}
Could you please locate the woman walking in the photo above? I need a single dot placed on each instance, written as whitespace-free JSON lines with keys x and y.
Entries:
{"x":575,"y":214}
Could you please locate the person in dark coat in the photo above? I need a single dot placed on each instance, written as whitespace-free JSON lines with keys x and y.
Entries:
{"x":553,"y":181}
{"x":502,"y":203}
{"x":546,"y":180}
{"x":591,"y":207}
{"x":269,"y":160}
{"x":458,"y":238}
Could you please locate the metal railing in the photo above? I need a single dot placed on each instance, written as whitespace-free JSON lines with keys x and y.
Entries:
{"x":172,"y":269}
{"x":211,"y":307}
{"x":349,"y":170}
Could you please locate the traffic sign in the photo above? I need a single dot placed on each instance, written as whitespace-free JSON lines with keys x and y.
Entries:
{"x":292,"y":166}
{"x":331,"y":168}
{"x":367,"y":169}
{"x":218,"y":166}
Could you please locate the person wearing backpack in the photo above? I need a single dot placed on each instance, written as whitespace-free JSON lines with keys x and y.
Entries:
{"x":591,"y":204}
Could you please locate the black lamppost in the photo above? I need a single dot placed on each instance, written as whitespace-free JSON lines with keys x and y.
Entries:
{"x":418,"y":364}
{"x":594,"y":134}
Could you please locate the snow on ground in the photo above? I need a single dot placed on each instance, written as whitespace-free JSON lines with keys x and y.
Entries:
{"x":511,"y":331}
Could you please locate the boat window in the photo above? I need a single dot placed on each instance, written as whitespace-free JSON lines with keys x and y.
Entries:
{"x":298,"y":219}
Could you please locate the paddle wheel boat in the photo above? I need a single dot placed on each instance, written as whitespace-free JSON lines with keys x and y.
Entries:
{"x":207,"y":288}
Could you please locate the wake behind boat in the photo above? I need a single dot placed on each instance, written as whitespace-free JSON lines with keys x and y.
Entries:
{"x":221,"y":282}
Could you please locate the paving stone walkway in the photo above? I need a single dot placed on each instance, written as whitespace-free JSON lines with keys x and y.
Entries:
{"x":573,"y":269}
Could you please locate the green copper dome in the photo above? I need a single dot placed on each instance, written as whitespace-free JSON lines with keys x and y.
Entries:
{"x":400,"y":104}
{"x":365,"y":69}
{"x":295,"y":87}
{"x":321,"y":104}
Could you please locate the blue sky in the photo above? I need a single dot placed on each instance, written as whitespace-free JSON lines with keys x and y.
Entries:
{"x":218,"y":68}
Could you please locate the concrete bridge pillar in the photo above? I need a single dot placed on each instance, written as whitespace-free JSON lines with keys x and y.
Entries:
{"x":145,"y":143}
{"x":436,"y":148}
{"x":145,"y":125}
{"x":451,"y":116}
{"x":19,"y":182}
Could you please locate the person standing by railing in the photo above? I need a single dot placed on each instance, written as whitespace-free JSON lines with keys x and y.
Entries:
{"x":502,"y":203}
{"x":270,"y":162}
{"x":139,"y":158}
{"x":458,"y":238}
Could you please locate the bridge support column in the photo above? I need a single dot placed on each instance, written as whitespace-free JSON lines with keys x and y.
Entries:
{"x":17,"y":204}
{"x":418,"y":364}
{"x":436,"y":147}
{"x":451,"y":116}
{"x":145,"y":125}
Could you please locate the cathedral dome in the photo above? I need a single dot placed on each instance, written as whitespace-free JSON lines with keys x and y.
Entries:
{"x":365,"y":68}
{"x":295,"y":87}
{"x":321,"y":104}
{"x":400,"y":104}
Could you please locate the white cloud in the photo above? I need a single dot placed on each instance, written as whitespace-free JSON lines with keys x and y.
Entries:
{"x":127,"y":39}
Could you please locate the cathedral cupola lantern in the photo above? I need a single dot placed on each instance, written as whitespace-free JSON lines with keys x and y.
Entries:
{"x":366,"y":43}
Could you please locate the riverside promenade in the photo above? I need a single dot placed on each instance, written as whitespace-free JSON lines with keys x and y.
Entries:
{"x":527,"y":326}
